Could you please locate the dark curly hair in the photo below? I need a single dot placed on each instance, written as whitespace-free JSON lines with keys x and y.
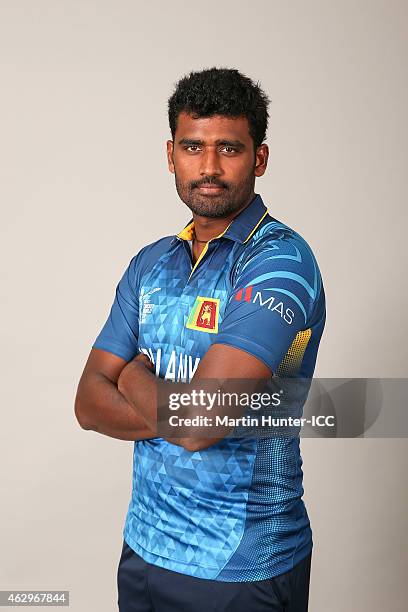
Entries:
{"x":221,"y":91}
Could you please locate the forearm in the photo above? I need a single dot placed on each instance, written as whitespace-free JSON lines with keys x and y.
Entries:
{"x":140,"y":388}
{"x":144,"y":392}
{"x":100,"y":407}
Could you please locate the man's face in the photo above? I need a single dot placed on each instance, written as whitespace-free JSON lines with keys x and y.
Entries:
{"x":215,"y":164}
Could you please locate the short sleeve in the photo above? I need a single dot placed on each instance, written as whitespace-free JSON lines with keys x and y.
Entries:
{"x":273,"y":297}
{"x":119,"y":335}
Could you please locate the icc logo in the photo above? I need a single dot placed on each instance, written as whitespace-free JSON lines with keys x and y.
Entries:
{"x":204,"y":315}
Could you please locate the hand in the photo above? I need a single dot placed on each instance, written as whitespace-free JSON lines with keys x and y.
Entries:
{"x":130,"y":372}
{"x":144,"y":360}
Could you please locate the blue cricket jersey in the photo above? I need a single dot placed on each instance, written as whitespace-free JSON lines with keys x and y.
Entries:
{"x":234,"y":511}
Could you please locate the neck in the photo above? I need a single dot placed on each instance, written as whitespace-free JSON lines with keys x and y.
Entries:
{"x":207,"y":228}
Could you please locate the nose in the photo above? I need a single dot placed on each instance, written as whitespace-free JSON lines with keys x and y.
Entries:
{"x":210,"y":162}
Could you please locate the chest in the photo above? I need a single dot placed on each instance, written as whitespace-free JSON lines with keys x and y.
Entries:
{"x":181,"y":307}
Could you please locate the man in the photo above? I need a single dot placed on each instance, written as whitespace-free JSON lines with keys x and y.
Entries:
{"x":214,"y":523}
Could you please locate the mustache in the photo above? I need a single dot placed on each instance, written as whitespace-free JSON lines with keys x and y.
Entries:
{"x":209,"y":180}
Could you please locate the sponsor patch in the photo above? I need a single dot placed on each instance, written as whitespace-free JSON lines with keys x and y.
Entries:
{"x":269,"y":301}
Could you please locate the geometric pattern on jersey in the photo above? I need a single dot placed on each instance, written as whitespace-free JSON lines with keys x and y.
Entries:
{"x":233,"y":511}
{"x":274,"y":494}
{"x":206,"y":493}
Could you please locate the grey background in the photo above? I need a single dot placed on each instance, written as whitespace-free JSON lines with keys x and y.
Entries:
{"x":84,"y":185}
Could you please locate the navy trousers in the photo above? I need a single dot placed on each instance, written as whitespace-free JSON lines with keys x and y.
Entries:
{"x":143,"y":587}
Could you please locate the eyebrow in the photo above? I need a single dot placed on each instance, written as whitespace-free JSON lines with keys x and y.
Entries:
{"x":237,"y":144}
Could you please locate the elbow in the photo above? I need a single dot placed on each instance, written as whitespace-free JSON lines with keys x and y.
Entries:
{"x":81,"y":415}
{"x":193,"y":445}
{"x":189,"y":445}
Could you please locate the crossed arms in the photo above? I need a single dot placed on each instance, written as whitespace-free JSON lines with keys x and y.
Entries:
{"x":119,"y":399}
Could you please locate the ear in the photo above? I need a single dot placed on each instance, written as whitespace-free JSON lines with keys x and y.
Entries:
{"x":261,"y":159}
{"x":170,"y":161}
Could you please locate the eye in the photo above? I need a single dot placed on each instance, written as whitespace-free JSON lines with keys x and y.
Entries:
{"x":228,"y":149}
{"x":192,"y":148}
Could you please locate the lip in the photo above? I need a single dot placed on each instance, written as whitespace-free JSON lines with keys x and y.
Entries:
{"x":208,"y":188}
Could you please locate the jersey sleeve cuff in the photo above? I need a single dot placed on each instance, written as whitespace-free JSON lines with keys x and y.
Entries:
{"x":115,"y":348}
{"x":250,"y":347}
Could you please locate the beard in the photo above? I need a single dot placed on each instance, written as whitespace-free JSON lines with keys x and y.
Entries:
{"x":231,"y":199}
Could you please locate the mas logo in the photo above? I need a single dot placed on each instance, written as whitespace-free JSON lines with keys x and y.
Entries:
{"x":270,"y":302}
{"x":204,"y":315}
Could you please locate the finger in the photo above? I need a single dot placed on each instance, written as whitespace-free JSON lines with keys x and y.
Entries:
{"x":145,"y":360}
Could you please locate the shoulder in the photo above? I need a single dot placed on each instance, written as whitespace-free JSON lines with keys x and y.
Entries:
{"x":155,"y":249}
{"x":145,"y":259}
{"x":276,"y":235}
{"x":278,"y":253}
{"x":275,"y":243}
